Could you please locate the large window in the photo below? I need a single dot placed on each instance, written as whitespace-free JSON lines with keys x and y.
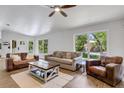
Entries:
{"x":43,"y":46}
{"x":30,"y":46}
{"x":80,"y":42}
{"x":91,"y":44}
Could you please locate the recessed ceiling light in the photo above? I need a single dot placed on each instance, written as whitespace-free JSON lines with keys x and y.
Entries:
{"x":57,"y":9}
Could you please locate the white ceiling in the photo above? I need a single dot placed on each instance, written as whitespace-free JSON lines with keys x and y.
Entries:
{"x":34,"y":20}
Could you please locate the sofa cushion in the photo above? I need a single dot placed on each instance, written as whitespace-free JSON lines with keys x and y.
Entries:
{"x":69,"y":55}
{"x":52,"y":58}
{"x":116,"y":60}
{"x":98,"y":70}
{"x":16,"y":58}
{"x":63,"y":54}
{"x":67,"y":61}
{"x":74,"y":55}
{"x":61,"y":60}
{"x":57,"y":54}
{"x":23,"y":61}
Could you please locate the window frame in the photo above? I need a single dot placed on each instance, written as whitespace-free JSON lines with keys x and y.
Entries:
{"x":43,"y":50}
{"x":88,"y":32}
{"x":33,"y":46}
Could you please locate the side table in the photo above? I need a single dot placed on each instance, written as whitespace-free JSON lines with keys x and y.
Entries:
{"x":82,"y":64}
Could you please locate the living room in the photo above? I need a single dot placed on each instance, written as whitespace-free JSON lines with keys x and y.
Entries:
{"x":60,"y":36}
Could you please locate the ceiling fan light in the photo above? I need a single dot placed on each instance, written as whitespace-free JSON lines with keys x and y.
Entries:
{"x":57,"y":9}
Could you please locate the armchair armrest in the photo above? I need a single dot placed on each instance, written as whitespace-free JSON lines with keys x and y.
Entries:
{"x":50,"y":55}
{"x":77,"y":59}
{"x":114,"y":72}
{"x":36,"y":57}
{"x":9,"y":64}
{"x":92,"y":63}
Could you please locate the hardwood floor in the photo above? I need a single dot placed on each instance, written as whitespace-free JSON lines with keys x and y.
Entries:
{"x":81,"y":80}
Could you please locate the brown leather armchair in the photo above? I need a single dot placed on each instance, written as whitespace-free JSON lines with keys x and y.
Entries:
{"x":108,"y":69}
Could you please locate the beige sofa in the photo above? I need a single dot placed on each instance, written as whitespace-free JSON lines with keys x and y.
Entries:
{"x":67,"y":60}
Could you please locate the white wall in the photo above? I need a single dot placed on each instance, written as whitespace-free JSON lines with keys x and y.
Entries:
{"x":63,"y":40}
{"x":8,"y":36}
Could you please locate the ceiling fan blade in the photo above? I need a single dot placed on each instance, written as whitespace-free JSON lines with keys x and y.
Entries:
{"x":51,"y":14}
{"x":63,"y":13}
{"x":68,"y":6}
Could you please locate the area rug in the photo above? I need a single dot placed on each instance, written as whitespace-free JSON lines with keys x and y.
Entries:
{"x":25,"y":80}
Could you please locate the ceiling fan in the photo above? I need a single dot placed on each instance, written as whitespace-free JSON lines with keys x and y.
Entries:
{"x":59,"y":8}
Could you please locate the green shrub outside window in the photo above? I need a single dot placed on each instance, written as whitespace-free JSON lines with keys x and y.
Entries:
{"x":43,"y":46}
{"x":82,"y":40}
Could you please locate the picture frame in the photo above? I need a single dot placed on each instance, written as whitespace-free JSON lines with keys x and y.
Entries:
{"x":5,"y":43}
{"x":22,"y":42}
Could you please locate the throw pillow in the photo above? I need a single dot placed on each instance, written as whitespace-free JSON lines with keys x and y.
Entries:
{"x":13,"y":56}
{"x":58,"y":54}
{"x":74,"y":55}
{"x":16,"y":58}
{"x":29,"y":57}
{"x":23,"y":56}
{"x":63,"y":54}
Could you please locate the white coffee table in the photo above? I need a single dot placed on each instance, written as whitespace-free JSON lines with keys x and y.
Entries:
{"x":43,"y":70}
